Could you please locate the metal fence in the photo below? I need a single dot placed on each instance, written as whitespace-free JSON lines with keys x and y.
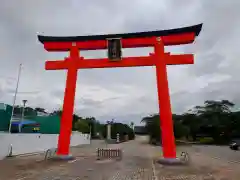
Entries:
{"x":109,"y":154}
{"x":50,"y":153}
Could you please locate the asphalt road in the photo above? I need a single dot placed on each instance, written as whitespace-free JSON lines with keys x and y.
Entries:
{"x":220,"y":152}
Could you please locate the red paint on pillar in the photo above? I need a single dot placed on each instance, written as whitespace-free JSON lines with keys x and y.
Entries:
{"x":166,"y":123}
{"x":68,"y":104}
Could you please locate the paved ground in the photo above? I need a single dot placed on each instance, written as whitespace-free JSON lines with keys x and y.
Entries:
{"x":19,"y":168}
{"x":202,"y":165}
{"x":138,"y":163}
{"x":222,"y":152}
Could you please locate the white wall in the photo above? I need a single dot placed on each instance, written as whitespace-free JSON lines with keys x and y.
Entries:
{"x":4,"y":145}
{"x":31,"y":143}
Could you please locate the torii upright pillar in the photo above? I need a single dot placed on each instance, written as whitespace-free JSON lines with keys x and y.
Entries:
{"x":168,"y":140}
{"x":114,"y":43}
{"x":68,"y":105}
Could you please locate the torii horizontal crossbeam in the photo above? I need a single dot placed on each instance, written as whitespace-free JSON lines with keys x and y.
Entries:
{"x":125,"y":62}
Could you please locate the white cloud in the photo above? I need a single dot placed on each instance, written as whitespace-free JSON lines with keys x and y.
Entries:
{"x":121,"y":92}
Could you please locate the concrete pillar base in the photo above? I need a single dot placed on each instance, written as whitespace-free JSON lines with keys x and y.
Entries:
{"x":170,"y":161}
{"x":63,"y":157}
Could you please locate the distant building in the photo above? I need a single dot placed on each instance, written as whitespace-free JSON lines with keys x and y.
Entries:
{"x":49,"y":124}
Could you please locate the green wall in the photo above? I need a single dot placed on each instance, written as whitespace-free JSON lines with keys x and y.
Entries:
{"x":5,"y":118}
{"x":48,"y":124}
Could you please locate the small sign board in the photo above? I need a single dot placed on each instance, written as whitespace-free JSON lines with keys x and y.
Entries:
{"x":114,"y":49}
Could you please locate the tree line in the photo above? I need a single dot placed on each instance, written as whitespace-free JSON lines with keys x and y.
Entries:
{"x":84,"y":124}
{"x":99,"y":130}
{"x":214,"y":120}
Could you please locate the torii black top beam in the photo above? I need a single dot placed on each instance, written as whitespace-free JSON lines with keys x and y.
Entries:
{"x":190,"y":29}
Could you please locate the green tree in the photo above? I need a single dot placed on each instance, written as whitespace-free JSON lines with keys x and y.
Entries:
{"x":92,"y":125}
{"x":215,"y":116}
{"x":193,"y":124}
{"x":180,"y":129}
{"x":82,"y":126}
{"x":57,"y":112}
{"x":152,"y":125}
{"x":132,"y":124}
{"x":75,"y":119}
{"x":234,"y":118}
{"x":39,"y":109}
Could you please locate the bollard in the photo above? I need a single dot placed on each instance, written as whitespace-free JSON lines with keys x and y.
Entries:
{"x":185,"y":158}
{"x":10,"y":151}
{"x":118,"y":139}
{"x":98,"y":154}
{"x":46,"y":154}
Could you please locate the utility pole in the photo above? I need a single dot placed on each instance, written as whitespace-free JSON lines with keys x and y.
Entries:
{"x":90,"y":129}
{"x":15,"y":96}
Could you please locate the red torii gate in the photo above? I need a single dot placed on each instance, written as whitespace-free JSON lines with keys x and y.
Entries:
{"x":159,"y":59}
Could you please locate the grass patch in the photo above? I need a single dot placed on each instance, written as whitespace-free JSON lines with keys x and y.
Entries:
{"x":206,"y":140}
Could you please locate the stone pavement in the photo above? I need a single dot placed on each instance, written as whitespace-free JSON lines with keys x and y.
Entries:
{"x":201,"y":166}
{"x":23,"y":166}
{"x":219,"y":152}
{"x":133,"y":166}
{"x":138,"y":163}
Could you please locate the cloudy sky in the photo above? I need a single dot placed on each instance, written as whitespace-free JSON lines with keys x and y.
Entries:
{"x":125,"y":94}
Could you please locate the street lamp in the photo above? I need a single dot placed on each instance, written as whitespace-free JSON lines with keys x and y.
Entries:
{"x":24,"y":103}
